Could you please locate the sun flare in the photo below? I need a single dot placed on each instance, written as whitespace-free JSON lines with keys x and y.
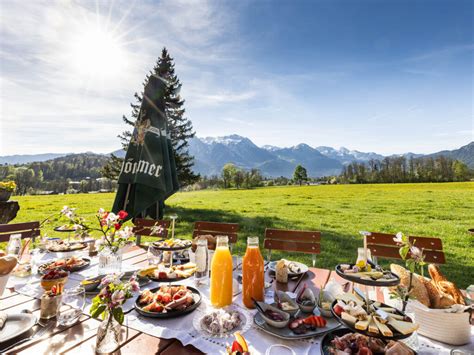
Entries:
{"x":96,"y":53}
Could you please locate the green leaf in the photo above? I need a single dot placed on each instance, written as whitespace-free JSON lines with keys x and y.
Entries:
{"x":404,"y":252}
{"x":118,"y":314}
{"x":96,"y":312}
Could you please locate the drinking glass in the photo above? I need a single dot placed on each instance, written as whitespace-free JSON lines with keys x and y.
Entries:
{"x":14,"y":245}
{"x":72,"y":305}
{"x":154,"y":255}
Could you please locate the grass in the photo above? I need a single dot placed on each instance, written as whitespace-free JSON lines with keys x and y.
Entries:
{"x":339,"y":212}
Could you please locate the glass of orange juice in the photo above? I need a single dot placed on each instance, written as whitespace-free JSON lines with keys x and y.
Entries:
{"x":253,"y":275}
{"x":221,"y":274}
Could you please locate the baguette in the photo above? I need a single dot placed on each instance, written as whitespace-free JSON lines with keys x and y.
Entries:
{"x":445,"y":287}
{"x":433,"y":293}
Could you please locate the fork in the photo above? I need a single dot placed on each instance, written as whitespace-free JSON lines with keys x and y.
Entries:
{"x":37,"y":335}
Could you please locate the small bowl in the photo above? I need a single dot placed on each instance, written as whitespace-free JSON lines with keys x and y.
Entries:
{"x":307,"y":308}
{"x":48,"y":284}
{"x":325,"y":312}
{"x":284,"y":297}
{"x":271,"y":322}
{"x":92,"y":283}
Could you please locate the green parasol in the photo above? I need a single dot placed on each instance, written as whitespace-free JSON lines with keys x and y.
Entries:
{"x":148,"y":176}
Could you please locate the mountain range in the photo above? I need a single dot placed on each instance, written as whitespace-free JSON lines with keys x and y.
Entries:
{"x":211,"y":153}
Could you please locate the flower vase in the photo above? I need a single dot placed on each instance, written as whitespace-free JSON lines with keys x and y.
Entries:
{"x":110,"y":261}
{"x":108,"y":335}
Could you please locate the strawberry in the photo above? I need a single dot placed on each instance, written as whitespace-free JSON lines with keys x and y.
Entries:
{"x":236,"y":347}
{"x":338,"y":310}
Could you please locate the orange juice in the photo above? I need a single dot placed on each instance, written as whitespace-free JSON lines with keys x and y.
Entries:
{"x":253,"y":275}
{"x":221,"y":274}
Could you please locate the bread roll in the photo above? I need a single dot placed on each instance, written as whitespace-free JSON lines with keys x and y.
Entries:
{"x":2,"y":253}
{"x":433,"y":293}
{"x":7,"y":264}
{"x":418,"y":290}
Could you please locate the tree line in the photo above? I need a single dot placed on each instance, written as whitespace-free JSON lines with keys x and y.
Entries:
{"x":72,"y":173}
{"x":402,"y":169}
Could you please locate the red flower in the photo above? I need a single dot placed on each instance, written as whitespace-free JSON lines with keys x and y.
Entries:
{"x":122,"y":214}
{"x":117,"y":226}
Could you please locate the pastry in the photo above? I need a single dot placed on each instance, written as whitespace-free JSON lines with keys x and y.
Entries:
{"x":2,"y":253}
{"x":418,"y":290}
{"x":433,"y":293}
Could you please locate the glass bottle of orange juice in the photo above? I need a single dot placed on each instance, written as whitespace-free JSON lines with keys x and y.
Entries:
{"x":253,"y":275}
{"x":221,"y":274}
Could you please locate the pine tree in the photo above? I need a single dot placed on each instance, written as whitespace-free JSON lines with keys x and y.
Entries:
{"x":179,"y":126}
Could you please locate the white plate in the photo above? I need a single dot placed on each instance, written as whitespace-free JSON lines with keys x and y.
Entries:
{"x":303,"y":268}
{"x":16,"y":325}
{"x":242,"y":328}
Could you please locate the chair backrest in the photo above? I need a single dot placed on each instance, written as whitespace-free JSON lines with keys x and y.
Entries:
{"x":215,"y":229}
{"x":144,"y":227}
{"x":26,"y":229}
{"x":383,"y":245}
{"x":308,"y":242}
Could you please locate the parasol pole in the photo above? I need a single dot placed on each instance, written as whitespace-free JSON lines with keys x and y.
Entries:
{"x":125,"y":203}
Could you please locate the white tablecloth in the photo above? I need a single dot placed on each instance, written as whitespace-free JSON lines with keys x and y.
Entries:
{"x":182,"y":328}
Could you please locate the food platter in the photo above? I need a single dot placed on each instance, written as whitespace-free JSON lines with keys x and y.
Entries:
{"x":303,"y":268}
{"x":172,"y":313}
{"x":326,"y":343}
{"x":179,"y":244}
{"x":396,"y":334}
{"x":287,"y":334}
{"x":63,"y":247}
{"x":64,"y":229}
{"x":93,"y":287}
{"x":85,"y":262}
{"x":390,"y":279}
{"x":16,"y":325}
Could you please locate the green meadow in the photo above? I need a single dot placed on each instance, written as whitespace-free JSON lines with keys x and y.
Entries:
{"x":444,"y":210}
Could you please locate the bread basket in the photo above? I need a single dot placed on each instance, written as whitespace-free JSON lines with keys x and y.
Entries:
{"x":440,"y":325}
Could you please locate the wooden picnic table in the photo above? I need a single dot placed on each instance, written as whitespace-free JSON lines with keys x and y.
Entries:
{"x":80,"y":338}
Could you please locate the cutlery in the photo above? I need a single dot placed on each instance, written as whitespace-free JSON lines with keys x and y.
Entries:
{"x":35,"y":336}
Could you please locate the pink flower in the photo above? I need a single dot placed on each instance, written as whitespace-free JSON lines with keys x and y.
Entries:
{"x":118,"y":296}
{"x":135,"y":286}
{"x":416,"y":253}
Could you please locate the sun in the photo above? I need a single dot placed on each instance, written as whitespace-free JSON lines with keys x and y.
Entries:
{"x":96,"y":53}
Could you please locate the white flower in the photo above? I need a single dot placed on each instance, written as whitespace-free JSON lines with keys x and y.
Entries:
{"x":111,"y":219}
{"x":398,"y":238}
{"x":156,"y":230}
{"x":101,"y":211}
{"x":77,"y":227}
{"x":126,"y":232}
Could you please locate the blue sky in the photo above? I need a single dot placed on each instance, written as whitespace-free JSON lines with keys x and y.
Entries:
{"x":384,"y":76}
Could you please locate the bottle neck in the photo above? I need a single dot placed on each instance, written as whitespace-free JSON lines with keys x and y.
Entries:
{"x":222,"y":242}
{"x":252,"y":242}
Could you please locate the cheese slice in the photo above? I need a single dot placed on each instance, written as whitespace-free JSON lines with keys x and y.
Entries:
{"x":372,"y":326}
{"x":387,"y":309}
{"x":346,"y":317}
{"x":347,"y":297}
{"x":397,"y":316}
{"x":382,"y":327}
{"x":402,"y":326}
{"x":363,"y":324}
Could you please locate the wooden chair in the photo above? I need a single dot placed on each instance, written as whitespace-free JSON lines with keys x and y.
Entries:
{"x":383,"y":245}
{"x":143,"y":227}
{"x":308,"y":242}
{"x":26,"y":229}
{"x":217,"y":228}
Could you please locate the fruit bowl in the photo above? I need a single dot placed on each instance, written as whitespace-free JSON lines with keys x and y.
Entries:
{"x":54,"y":277}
